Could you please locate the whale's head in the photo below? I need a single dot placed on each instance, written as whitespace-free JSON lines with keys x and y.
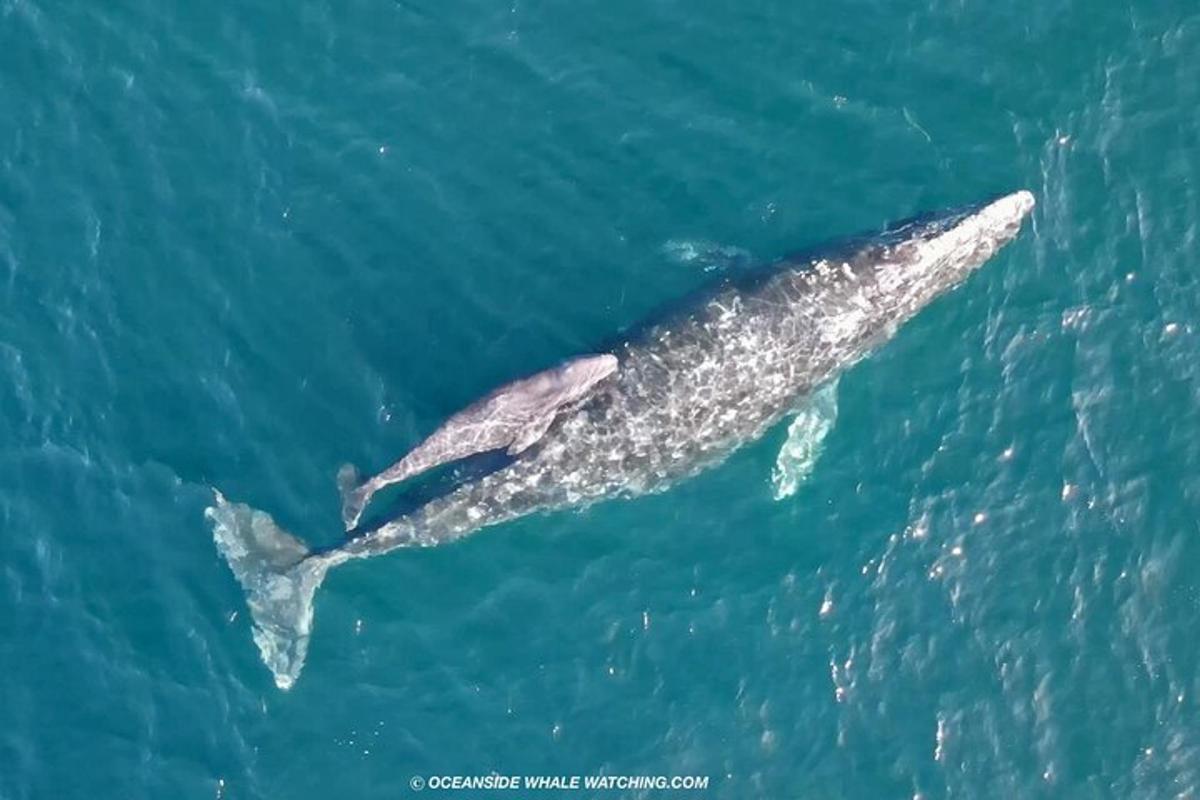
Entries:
{"x":939,"y":251}
{"x":578,"y":376}
{"x":872,"y":284}
{"x":915,"y":261}
{"x":563,"y":385}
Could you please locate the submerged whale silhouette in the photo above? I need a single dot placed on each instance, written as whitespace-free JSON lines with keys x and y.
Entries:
{"x":678,"y":397}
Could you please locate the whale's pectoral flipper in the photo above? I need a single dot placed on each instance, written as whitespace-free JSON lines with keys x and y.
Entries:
{"x":806,"y":435}
{"x":529,"y":435}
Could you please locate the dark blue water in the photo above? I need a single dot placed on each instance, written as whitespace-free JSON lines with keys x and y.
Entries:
{"x":243,"y":243}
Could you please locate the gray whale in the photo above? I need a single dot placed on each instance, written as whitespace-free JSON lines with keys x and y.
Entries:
{"x":688,"y":390}
{"x":512,"y":417}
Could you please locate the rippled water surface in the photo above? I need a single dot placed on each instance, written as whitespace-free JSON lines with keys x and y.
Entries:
{"x":241,"y":243}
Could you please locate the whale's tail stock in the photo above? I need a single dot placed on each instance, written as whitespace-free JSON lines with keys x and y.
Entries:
{"x":279,"y":574}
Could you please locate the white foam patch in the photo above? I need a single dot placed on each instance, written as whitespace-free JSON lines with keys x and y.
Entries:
{"x":805,"y":440}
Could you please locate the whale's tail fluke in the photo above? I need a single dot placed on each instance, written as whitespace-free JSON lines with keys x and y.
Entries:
{"x":355,"y":494}
{"x":279,"y":577}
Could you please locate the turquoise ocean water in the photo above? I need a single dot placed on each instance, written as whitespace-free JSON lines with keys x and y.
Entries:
{"x":241,"y":243}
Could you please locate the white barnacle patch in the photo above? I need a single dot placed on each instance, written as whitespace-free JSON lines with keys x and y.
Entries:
{"x":843,"y":326}
{"x":861,"y":301}
{"x":728,"y":312}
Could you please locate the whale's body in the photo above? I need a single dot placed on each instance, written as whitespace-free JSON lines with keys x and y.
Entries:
{"x":689,"y":390}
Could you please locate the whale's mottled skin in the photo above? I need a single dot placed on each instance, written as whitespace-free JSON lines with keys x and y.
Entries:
{"x":514,"y":416}
{"x":687,"y":392}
